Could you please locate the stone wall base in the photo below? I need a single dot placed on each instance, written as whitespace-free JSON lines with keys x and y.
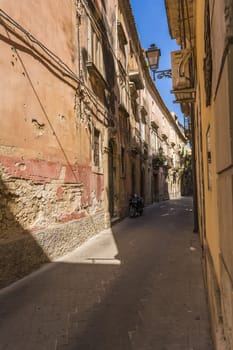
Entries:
{"x":227,"y":303}
{"x":23,"y":255}
{"x":215,"y":304}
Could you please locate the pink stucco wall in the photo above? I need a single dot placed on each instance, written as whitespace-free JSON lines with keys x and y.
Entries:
{"x":41,"y":141}
{"x":37,"y":113}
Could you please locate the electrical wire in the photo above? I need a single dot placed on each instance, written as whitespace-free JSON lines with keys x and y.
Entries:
{"x":103,"y":109}
{"x":37,"y":42}
{"x":55,"y":58}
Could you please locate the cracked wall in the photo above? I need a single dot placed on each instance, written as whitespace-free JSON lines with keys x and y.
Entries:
{"x":37,"y":201}
{"x":44,"y":217}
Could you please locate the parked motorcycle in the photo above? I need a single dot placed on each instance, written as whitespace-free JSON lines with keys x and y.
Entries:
{"x":136,"y":205}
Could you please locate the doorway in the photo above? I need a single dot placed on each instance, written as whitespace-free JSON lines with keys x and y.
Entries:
{"x":111,"y":179}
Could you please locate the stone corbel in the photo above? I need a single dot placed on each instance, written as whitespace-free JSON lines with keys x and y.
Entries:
{"x":228,"y":12}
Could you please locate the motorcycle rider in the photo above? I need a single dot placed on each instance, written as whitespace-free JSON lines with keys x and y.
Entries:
{"x":136,"y":205}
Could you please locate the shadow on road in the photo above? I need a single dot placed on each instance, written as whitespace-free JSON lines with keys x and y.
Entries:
{"x":122,"y":290}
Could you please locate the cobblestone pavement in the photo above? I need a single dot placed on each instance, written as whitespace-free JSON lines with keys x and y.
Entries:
{"x":138,"y":286}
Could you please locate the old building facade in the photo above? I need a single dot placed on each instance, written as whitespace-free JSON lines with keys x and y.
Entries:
{"x":203,"y":83}
{"x":82,"y":128}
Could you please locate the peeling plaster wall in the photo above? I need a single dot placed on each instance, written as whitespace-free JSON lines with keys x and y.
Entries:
{"x":43,"y":217}
{"x":37,"y":199}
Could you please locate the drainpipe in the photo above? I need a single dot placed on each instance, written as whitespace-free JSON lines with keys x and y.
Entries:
{"x":194,"y":177}
{"x":80,"y":91}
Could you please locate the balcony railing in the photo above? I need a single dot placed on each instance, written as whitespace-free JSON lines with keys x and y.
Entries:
{"x":161,"y":161}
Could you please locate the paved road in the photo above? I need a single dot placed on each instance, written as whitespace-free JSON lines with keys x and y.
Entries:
{"x":138,"y":286}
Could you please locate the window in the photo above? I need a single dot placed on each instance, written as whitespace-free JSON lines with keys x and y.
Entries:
{"x":163,"y":122}
{"x":174,"y":159}
{"x":122,"y":161}
{"x":143,"y":131}
{"x":96,"y":147}
{"x":209,"y":160}
{"x":128,"y":126}
{"x":165,"y":148}
{"x":172,"y":133}
{"x":124,"y":95}
{"x":95,"y":51}
{"x":156,"y":142}
{"x":122,"y":40}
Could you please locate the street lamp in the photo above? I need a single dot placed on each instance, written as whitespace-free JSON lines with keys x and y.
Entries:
{"x":153,"y":55}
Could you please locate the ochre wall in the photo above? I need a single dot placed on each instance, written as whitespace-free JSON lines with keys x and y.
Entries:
{"x":208,"y":121}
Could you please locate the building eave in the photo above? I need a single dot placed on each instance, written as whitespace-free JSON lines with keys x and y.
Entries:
{"x":181,"y":21}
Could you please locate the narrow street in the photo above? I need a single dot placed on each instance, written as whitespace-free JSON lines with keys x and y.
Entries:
{"x":138,"y":286}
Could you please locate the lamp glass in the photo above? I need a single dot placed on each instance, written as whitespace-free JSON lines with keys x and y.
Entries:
{"x":153,"y":55}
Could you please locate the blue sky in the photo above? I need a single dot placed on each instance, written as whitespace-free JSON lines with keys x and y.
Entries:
{"x":152,"y":26}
